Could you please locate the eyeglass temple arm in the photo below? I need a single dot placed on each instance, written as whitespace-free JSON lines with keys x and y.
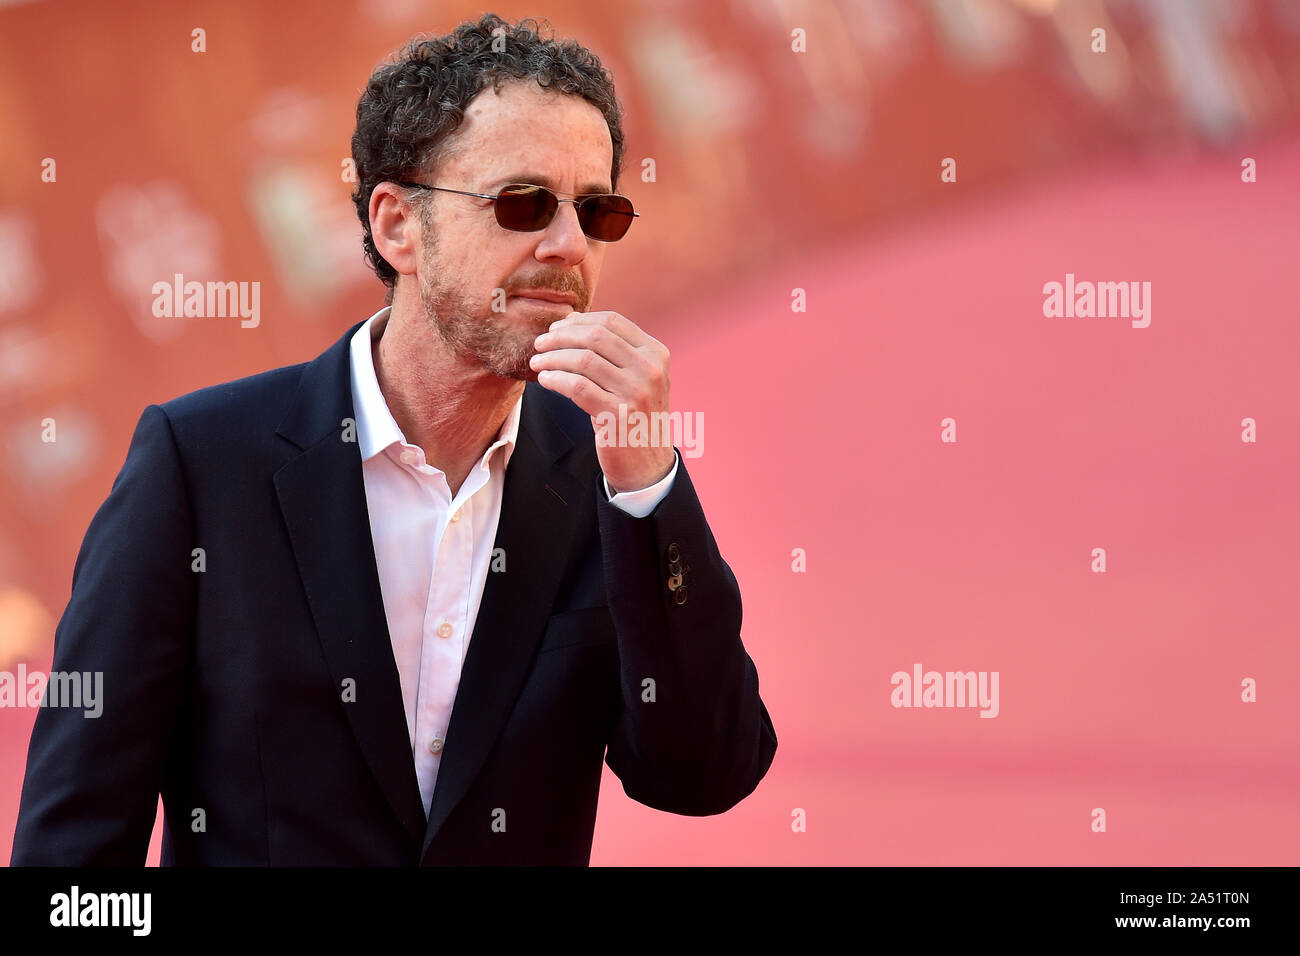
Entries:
{"x":444,"y":189}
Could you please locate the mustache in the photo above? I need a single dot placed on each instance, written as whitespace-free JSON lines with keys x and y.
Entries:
{"x":550,"y":282}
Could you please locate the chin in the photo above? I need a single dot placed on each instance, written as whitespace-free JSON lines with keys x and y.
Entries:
{"x":518,"y":371}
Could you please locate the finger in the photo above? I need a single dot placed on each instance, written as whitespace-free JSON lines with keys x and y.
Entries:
{"x":582,"y":391}
{"x":620,"y":325}
{"x":614,"y":349}
{"x":648,"y":356}
{"x":582,"y":361}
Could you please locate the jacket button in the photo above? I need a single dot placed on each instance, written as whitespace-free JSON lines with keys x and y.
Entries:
{"x":673,"y":553}
{"x":674,"y":567}
{"x":680,"y":595}
{"x":674,"y":583}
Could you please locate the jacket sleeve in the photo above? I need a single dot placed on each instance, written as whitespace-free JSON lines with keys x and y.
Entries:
{"x":90,"y":793}
{"x":692,"y":735}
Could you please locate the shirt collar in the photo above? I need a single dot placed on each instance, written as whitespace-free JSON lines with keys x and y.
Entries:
{"x":376,"y":428}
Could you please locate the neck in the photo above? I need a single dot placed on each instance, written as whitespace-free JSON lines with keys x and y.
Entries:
{"x":450,"y":408}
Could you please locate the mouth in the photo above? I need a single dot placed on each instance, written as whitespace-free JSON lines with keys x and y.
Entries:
{"x":543,"y":299}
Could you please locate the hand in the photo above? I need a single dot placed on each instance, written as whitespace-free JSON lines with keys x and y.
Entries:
{"x":601,"y":360}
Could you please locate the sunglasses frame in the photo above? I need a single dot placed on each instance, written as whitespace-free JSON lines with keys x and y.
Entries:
{"x":577,"y":201}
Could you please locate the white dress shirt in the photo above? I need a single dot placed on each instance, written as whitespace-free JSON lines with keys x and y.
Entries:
{"x":433,"y":552}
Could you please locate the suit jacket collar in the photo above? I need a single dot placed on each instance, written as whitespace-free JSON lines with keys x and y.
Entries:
{"x":322,"y":497}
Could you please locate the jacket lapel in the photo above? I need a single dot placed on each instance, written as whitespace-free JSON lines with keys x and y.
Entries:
{"x":540,"y":514}
{"x":322,"y":496}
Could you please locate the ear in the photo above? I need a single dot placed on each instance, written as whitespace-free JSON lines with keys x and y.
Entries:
{"x":395,"y":227}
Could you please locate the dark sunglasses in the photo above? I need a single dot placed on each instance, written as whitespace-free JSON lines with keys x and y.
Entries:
{"x":524,"y":207}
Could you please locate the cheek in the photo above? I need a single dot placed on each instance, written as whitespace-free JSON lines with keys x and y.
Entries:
{"x":478,"y":271}
{"x":590,"y":277}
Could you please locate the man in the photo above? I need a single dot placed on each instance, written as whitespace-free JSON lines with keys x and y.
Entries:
{"x":333,"y":627}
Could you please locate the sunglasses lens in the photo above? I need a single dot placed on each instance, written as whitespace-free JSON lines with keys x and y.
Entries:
{"x":525,"y":208}
{"x":528,"y":208}
{"x":606,"y":218}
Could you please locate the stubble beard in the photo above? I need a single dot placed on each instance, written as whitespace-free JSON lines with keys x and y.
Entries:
{"x":477,"y":334}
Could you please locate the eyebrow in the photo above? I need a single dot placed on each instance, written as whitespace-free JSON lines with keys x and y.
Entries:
{"x":532,"y":179}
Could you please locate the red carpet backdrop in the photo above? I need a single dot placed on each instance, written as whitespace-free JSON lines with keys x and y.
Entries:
{"x":985,"y":309}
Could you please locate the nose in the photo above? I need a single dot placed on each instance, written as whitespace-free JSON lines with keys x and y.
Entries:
{"x":563,"y":241}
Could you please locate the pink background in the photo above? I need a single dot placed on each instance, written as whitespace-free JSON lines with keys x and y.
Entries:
{"x":1118,"y":690}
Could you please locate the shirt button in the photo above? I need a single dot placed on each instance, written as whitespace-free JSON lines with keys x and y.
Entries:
{"x":435,"y":745}
{"x":444,"y":629}
{"x":455,"y":517}
{"x":408,"y":457}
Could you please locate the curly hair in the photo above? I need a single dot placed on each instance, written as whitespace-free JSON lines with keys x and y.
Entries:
{"x":417,"y":99}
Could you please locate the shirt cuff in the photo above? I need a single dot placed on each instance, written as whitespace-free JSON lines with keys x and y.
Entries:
{"x":640,"y":503}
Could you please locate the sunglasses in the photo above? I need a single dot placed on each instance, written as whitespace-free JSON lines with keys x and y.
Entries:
{"x":524,"y":207}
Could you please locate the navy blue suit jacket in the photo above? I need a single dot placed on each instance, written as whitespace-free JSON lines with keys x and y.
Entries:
{"x":224,"y":689}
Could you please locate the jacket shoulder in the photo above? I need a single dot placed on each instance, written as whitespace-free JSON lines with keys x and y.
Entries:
{"x":251,"y":397}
